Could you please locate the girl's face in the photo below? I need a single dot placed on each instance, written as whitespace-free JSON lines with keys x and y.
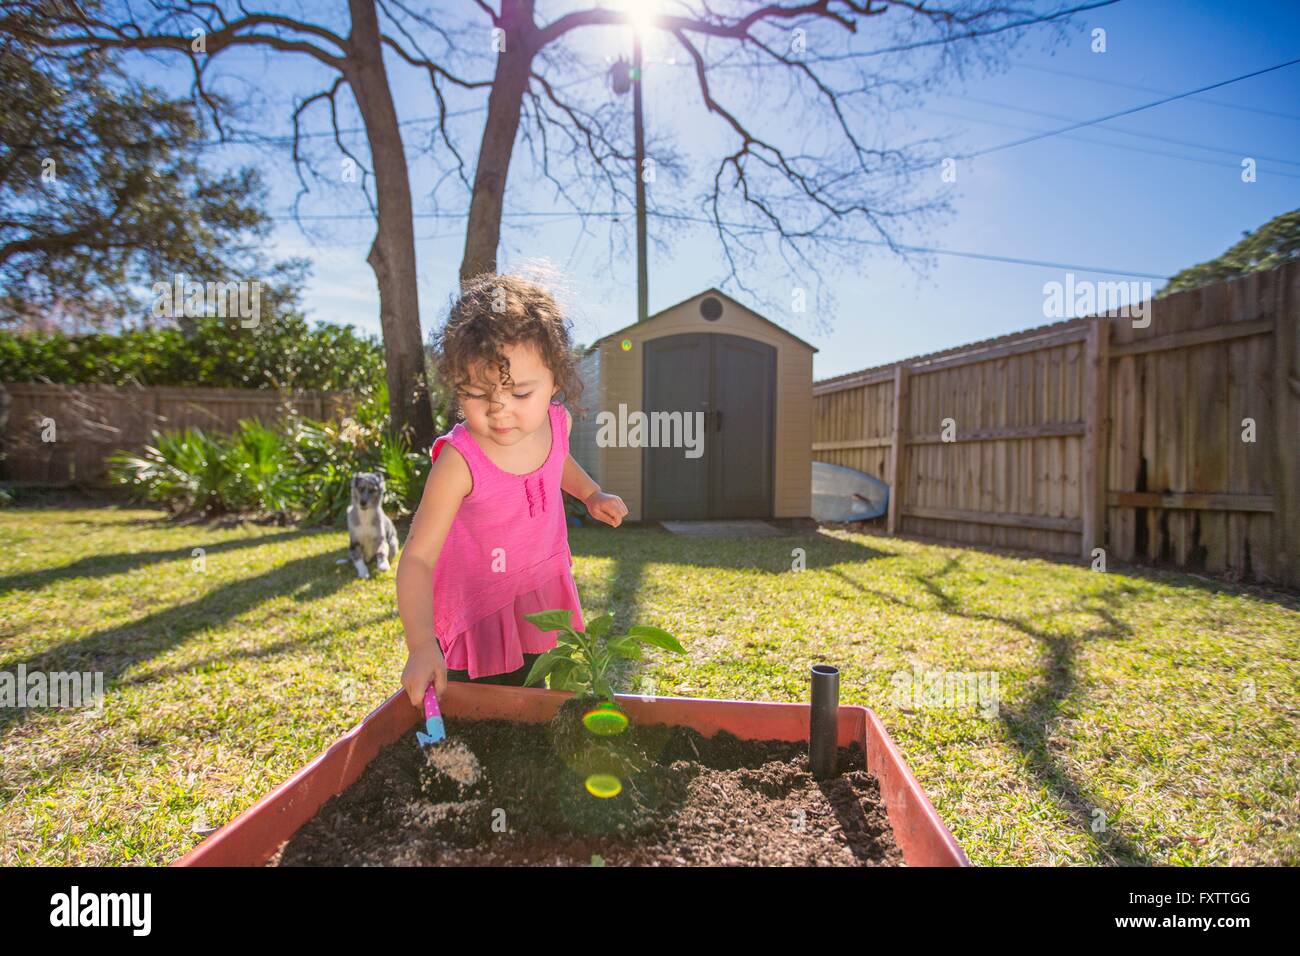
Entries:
{"x":508,"y":415}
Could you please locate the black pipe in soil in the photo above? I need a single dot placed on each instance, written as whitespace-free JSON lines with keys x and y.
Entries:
{"x":823,"y":725}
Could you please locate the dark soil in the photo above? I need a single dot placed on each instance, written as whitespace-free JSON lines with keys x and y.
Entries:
{"x":685,"y":799}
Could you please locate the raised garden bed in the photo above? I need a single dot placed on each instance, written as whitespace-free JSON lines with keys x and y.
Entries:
{"x":728,"y":784}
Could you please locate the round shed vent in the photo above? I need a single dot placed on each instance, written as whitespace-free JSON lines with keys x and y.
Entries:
{"x":711,"y":308}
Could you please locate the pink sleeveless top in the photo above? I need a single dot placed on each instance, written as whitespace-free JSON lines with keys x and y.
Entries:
{"x":506,"y":555}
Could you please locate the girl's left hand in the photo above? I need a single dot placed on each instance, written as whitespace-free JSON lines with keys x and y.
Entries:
{"x":607,"y":508}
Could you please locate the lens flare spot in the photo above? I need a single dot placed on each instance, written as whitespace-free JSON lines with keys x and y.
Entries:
{"x":604,"y":785}
{"x":605,"y":720}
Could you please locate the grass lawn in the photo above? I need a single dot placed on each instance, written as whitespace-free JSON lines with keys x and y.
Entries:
{"x":1143,"y":717}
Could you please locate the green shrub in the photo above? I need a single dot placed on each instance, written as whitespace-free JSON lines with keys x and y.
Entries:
{"x":301,"y":469}
{"x":282,"y":352}
{"x":262,"y":477}
{"x":185,"y":470}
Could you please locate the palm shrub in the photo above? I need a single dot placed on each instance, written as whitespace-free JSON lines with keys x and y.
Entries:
{"x":262,"y":477}
{"x":405,"y":472}
{"x":328,"y":454}
{"x":186,"y":470}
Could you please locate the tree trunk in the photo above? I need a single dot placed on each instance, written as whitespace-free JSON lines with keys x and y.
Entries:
{"x":392,"y":255}
{"x":483,"y":232}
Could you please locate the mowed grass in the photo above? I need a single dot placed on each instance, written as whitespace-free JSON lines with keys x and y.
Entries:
{"x":1142,"y":717}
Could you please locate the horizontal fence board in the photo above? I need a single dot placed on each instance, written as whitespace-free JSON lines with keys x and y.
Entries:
{"x":1039,"y":522}
{"x":1189,"y":502}
{"x":1062,"y":430}
{"x":883,"y":442}
{"x":1193,"y":337}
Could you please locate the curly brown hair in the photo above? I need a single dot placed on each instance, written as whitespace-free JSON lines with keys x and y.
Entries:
{"x":497,"y":310}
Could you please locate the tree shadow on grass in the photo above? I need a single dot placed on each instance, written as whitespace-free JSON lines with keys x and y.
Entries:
{"x":106,"y":565}
{"x":1168,"y":575}
{"x":261,"y":652}
{"x":775,"y":554}
{"x":87,"y":752}
{"x":1029,"y":724}
{"x":113,"y":650}
{"x":631,"y":557}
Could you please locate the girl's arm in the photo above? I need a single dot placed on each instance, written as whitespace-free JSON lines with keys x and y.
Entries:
{"x":604,"y":507}
{"x":576,"y":481}
{"x":448,"y":483}
{"x":607,"y":508}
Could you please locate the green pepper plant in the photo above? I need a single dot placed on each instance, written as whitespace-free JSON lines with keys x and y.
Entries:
{"x":581,"y":660}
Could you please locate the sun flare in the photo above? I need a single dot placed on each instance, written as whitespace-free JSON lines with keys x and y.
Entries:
{"x":643,"y":14}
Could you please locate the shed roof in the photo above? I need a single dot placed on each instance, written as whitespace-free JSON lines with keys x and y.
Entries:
{"x":712,"y":290}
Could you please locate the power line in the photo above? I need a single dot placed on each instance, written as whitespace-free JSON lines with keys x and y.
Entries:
{"x":614,"y":214}
{"x":1153,"y":89}
{"x":1128,"y":112}
{"x":934,"y":250}
{"x":1098,"y":142}
{"x":1127,"y":132}
{"x":1081,"y":124}
{"x":975,"y":34}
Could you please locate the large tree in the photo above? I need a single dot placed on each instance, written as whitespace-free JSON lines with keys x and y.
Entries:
{"x":796,"y":92}
{"x":202,"y":32}
{"x":101,"y":193}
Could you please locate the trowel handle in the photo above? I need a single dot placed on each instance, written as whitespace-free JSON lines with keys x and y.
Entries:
{"x":434,"y":730}
{"x":431,"y":708}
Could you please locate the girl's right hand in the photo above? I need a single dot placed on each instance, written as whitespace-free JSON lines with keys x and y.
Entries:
{"x":424,"y":666}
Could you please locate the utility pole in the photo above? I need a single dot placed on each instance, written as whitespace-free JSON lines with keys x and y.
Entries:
{"x":622,"y":79}
{"x":642,"y":267}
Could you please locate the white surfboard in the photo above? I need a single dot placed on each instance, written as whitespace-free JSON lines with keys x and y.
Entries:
{"x":846,"y":494}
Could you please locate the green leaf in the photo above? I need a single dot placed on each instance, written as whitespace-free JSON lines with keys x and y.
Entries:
{"x":569,"y":681}
{"x":599,"y":627}
{"x":625,"y":647}
{"x":657,"y":637}
{"x":579,"y":679}
{"x":542,"y":666}
{"x":560,"y":673}
{"x":556,"y":620}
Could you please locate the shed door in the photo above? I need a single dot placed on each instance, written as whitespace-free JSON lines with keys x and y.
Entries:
{"x":732,"y":380}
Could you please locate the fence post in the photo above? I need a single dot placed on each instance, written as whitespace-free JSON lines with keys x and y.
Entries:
{"x":898,"y":446}
{"x":1286,"y":467}
{"x":1096,"y":402}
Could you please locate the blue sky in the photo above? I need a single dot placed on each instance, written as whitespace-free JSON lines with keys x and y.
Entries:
{"x":1100,"y":197}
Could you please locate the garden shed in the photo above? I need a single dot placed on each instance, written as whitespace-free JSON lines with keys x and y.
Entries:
{"x":723,"y":398}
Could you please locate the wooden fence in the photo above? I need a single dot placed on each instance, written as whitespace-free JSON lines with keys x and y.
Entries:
{"x":1178,"y":442}
{"x":59,"y":435}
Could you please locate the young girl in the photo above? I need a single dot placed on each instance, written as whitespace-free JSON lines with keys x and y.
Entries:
{"x":489,"y":542}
